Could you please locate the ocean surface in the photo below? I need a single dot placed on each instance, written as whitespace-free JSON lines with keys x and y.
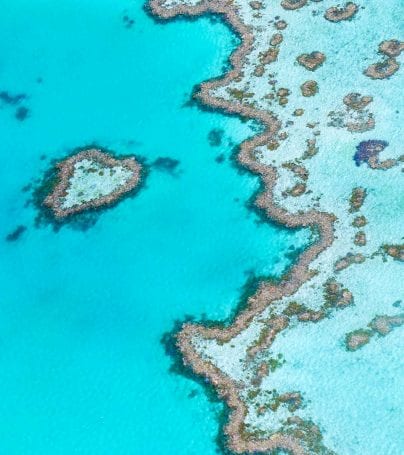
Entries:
{"x":82,"y":366}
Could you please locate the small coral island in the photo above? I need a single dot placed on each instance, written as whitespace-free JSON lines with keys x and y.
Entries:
{"x":89,"y":179}
{"x":381,"y":325}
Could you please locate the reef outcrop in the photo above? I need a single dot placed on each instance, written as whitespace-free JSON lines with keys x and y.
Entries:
{"x":383,"y":69}
{"x":336,"y":14}
{"x":90,"y":179}
{"x":391,"y":48}
{"x":293,"y":4}
{"x":311,"y":61}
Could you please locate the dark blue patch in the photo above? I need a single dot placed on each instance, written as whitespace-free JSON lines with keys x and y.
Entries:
{"x":368,"y":149}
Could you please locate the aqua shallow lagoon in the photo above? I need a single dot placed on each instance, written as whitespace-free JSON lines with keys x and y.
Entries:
{"x":82,"y":313}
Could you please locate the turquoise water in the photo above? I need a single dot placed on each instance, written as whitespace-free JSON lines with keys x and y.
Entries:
{"x":82,"y":313}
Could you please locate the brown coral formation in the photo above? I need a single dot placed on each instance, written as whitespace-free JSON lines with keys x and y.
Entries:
{"x":66,"y":170}
{"x":335,"y":14}
{"x":357,"y":339}
{"x":303,"y":313}
{"x":348,"y":260}
{"x":381,"y":325}
{"x":276,"y":39}
{"x":269,"y":56}
{"x":359,"y":221}
{"x":356,"y":101}
{"x":292,"y":400}
{"x":391,"y":48}
{"x":311,"y":316}
{"x":394,"y":251}
{"x":355,"y":118}
{"x":383,"y":69}
{"x":384,"y":324}
{"x":293,"y":4}
{"x":256,"y":5}
{"x":360,"y":238}
{"x":357,"y":199}
{"x":309,"y":88}
{"x":311,"y":61}
{"x":362,"y":124}
{"x":335,"y":295}
{"x":297,"y":190}
{"x":311,"y":149}
{"x":299,"y":170}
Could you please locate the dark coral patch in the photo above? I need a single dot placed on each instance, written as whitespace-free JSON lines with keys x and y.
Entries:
{"x":21,"y":113}
{"x":166,"y":164}
{"x":367,"y":150}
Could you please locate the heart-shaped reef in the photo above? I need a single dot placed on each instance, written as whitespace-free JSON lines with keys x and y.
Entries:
{"x":90,"y":179}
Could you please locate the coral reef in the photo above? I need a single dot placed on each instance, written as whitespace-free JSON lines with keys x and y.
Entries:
{"x":355,"y":117}
{"x":237,"y":356}
{"x":90,"y":179}
{"x":380,"y":325}
{"x":311,"y":61}
{"x":383,"y":69}
{"x":394,"y":251}
{"x":335,"y":14}
{"x":309,"y":88}
{"x":293,"y":4}
{"x":357,"y":199}
{"x":358,"y":338}
{"x":368,"y":152}
{"x":391,"y":48}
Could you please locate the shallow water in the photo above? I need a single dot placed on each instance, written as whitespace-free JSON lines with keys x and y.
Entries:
{"x":82,"y":313}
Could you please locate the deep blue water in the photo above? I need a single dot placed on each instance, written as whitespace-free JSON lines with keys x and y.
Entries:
{"x":82,"y":368}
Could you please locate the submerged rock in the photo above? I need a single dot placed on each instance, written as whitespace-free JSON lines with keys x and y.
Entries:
{"x":281,"y":25}
{"x":384,"y":324}
{"x":394,"y":251}
{"x":356,"y":101}
{"x":381,"y":325}
{"x":357,"y":199}
{"x":256,"y":5}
